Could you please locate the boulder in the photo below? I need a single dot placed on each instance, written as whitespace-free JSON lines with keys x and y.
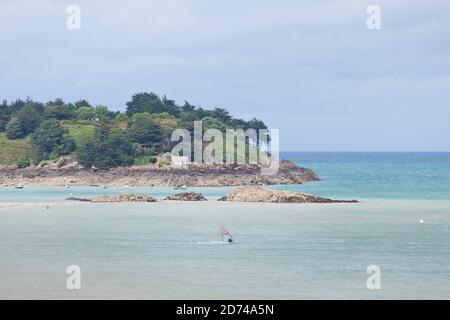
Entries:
{"x":258,"y":194}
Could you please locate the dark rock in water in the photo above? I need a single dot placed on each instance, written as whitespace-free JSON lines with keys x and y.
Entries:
{"x":78,"y":199}
{"x":187,"y":196}
{"x":117,"y":198}
{"x":258,"y":194}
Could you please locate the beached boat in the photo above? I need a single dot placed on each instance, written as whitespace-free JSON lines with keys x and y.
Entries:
{"x":20,"y":185}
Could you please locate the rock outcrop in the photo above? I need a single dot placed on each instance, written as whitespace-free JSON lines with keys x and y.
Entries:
{"x":64,"y":172}
{"x":187,"y":196}
{"x":258,"y":194}
{"x":117,"y":198}
{"x":78,"y":199}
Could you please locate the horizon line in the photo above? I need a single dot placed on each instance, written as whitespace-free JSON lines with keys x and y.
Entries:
{"x":373,"y":151}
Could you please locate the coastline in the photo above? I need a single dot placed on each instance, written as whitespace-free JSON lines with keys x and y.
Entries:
{"x":153,"y":176}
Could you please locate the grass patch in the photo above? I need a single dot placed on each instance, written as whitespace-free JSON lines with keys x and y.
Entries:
{"x":140,"y":161}
{"x":12,"y":150}
{"x":80,"y":131}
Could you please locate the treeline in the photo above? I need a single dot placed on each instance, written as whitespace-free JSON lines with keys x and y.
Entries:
{"x":118,"y":138}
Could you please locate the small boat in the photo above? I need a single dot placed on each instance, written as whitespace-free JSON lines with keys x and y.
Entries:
{"x":183,"y":187}
{"x":20,"y":185}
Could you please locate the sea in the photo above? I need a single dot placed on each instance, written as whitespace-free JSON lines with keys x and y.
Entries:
{"x":393,"y":244}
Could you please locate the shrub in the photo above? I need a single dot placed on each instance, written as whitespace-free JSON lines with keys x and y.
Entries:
{"x":23,"y":162}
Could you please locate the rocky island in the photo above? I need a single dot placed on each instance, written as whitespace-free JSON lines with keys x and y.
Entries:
{"x":68,"y":172}
{"x":187,"y":196}
{"x":116,"y":198}
{"x":258,"y":194}
{"x":241,"y":194}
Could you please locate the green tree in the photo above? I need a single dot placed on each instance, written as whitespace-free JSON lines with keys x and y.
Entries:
{"x":86,"y":152}
{"x":24,"y":122}
{"x":14,"y":129}
{"x":107,"y":149}
{"x":82,"y":103}
{"x":145,"y":131}
{"x":221,"y":115}
{"x":151,"y":103}
{"x":16,"y":106}
{"x":239,"y":124}
{"x":102,"y":113}
{"x":60,"y":112}
{"x":258,"y":125}
{"x":213,"y":123}
{"x":4,"y":115}
{"x":122,"y":117}
{"x":51,"y":140}
{"x":187,"y":107}
{"x":29,"y":117}
{"x":85,"y":113}
{"x":167,"y":122}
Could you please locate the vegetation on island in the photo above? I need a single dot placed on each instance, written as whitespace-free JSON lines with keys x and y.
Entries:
{"x":35,"y":132}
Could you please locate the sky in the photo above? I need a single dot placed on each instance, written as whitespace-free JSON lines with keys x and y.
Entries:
{"x":309,"y":68}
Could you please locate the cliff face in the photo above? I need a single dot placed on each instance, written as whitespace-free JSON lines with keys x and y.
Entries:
{"x":195,"y":176}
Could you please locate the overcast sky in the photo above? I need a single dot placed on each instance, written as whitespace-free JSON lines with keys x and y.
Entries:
{"x":310,"y":68}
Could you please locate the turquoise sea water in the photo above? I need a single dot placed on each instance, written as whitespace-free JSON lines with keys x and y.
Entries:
{"x":383,"y":175}
{"x":294,"y":251}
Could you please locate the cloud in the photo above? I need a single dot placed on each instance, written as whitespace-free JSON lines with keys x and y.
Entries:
{"x":289,"y":62}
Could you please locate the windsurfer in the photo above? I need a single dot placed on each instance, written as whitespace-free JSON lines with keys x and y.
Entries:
{"x":226,"y":236}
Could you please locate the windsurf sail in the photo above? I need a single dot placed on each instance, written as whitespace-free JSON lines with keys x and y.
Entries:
{"x":226,"y":236}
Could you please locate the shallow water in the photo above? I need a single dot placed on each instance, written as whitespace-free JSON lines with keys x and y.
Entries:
{"x":173,"y":250}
